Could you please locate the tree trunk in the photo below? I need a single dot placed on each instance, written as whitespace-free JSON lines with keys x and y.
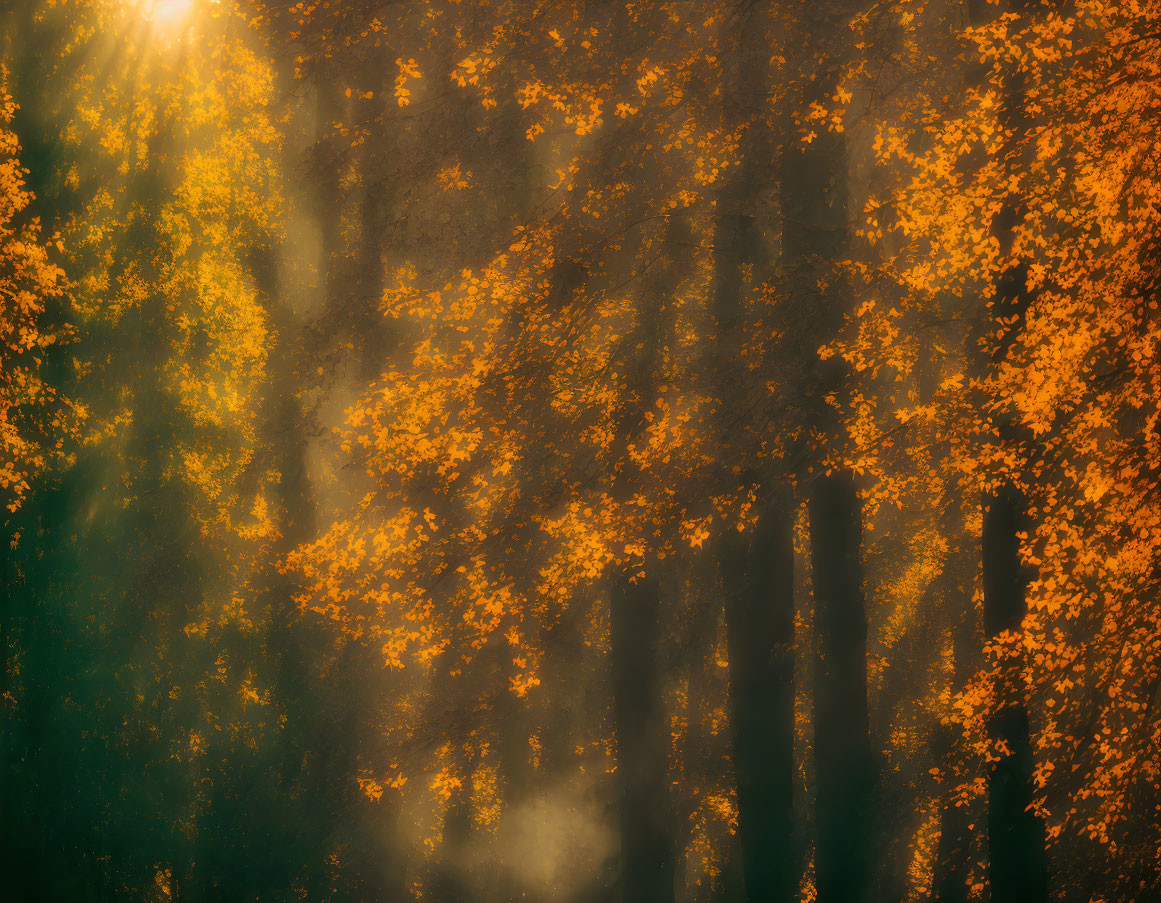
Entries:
{"x":949,"y":882}
{"x":756,"y":569}
{"x":814,"y":194}
{"x":368,"y":328}
{"x":647,"y":856}
{"x":954,"y":854}
{"x":1017,"y":870}
{"x":843,"y":756}
{"x":758,"y":579}
{"x":1017,"y":866}
{"x":325,"y":169}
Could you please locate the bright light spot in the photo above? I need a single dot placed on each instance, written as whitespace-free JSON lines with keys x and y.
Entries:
{"x":168,"y":14}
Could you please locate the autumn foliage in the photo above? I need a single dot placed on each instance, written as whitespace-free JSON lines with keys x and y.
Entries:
{"x":32,"y":428}
{"x":673,"y":451}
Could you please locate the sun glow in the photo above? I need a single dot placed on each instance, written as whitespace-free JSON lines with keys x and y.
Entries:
{"x":168,"y":14}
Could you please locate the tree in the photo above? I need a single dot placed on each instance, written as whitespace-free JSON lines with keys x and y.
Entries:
{"x":1061,"y":378}
{"x":159,"y":178}
{"x":33,"y":422}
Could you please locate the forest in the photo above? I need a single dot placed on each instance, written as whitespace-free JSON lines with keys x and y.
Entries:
{"x":580,"y":451}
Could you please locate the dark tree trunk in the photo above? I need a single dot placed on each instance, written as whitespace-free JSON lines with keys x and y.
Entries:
{"x":647,"y":856}
{"x":814,"y":200}
{"x":758,"y":580}
{"x":1017,"y":867}
{"x":451,"y":879}
{"x":954,"y":854}
{"x":325,"y":169}
{"x":949,"y":883}
{"x":562,"y":702}
{"x":756,"y":569}
{"x":1017,"y":870}
{"x":368,"y":328}
{"x":648,"y":839}
{"x":842,"y":749}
